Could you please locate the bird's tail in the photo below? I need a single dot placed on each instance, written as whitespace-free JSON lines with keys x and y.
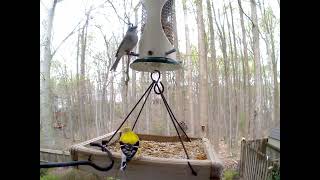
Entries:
{"x":123,"y":162}
{"x":115,"y":64}
{"x":123,"y":165}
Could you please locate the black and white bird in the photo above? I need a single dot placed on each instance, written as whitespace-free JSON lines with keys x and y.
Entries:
{"x":129,"y":41}
{"x":129,"y":145}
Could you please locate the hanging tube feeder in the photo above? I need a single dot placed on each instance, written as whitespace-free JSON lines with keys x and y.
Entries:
{"x":156,"y":45}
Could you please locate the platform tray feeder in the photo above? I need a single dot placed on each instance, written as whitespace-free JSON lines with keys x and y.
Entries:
{"x":147,"y":167}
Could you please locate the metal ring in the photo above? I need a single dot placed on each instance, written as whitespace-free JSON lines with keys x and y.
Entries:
{"x":153,"y":79}
{"x":156,"y":86}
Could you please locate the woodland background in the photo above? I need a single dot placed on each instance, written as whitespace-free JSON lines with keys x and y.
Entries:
{"x":230,"y":81}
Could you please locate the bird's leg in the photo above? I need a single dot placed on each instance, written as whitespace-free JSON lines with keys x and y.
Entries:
{"x":129,"y":53}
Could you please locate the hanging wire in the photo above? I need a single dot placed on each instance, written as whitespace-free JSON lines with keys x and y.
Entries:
{"x":107,"y":142}
{"x":135,"y":122}
{"x":172,"y":117}
{"x":158,"y":89}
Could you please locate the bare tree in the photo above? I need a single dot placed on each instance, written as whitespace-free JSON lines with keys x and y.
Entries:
{"x":246,"y":71}
{"x":223,"y":46}
{"x":179,"y":73}
{"x":268,"y":27}
{"x":82,"y":79}
{"x":203,"y":96}
{"x":257,"y":118}
{"x":215,"y":83}
{"x":236,"y":74}
{"x":46,"y":113}
{"x":189,"y":96}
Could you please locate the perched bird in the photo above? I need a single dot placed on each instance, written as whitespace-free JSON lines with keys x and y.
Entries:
{"x":128,"y":43}
{"x":129,"y":145}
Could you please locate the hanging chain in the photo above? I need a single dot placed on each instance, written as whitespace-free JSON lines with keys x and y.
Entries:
{"x":172,"y":117}
{"x":158,"y":89}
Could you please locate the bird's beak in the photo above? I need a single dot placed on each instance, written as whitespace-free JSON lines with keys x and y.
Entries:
{"x":134,"y":27}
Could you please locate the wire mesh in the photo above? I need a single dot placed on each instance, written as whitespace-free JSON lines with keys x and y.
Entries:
{"x":167,"y":15}
{"x":143,"y":17}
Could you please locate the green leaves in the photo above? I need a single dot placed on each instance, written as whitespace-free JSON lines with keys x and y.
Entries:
{"x":229,"y":174}
{"x":194,"y":55}
{"x":275,"y":172}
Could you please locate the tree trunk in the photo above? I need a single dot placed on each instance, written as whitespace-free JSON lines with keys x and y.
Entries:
{"x":112,"y":103}
{"x":276,"y":92}
{"x":215,"y":83}
{"x":82,"y":90}
{"x":46,"y":114}
{"x":203,"y":95}
{"x":96,"y":112}
{"x":233,"y":82}
{"x":78,"y":122}
{"x":257,"y":73}
{"x":223,"y":46}
{"x":247,"y":89}
{"x":189,"y":97}
{"x":179,"y":81}
{"x":147,"y":106}
{"x":124,"y":90}
{"x":164,"y":113}
{"x":237,"y":79}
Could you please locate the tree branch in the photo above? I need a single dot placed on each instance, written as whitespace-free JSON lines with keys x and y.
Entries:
{"x":117,"y":13}
{"x":215,"y":18}
{"x":70,"y":34}
{"x":250,"y":19}
{"x":240,"y":6}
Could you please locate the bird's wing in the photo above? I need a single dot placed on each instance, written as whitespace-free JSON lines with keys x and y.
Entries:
{"x":128,"y":43}
{"x":121,"y":44}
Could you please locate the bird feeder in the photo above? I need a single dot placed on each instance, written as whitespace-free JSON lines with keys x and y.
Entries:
{"x":148,"y":167}
{"x":156,"y":45}
{"x":156,"y":53}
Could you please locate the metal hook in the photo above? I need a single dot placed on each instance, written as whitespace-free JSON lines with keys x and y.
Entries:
{"x":160,"y":89}
{"x":153,"y":78}
{"x":156,"y":81}
{"x":83,"y":162}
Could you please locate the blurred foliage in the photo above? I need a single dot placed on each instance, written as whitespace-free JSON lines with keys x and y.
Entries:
{"x":230,"y":174}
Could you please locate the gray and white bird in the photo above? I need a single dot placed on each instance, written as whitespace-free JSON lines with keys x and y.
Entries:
{"x":128,"y":43}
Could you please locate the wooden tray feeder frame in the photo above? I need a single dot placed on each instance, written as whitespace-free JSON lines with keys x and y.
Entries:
{"x":146,"y":167}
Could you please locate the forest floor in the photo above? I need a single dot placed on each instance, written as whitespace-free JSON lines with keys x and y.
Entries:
{"x":229,"y":160}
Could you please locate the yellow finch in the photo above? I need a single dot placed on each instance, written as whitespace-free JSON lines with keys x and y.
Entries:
{"x":129,"y":145}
